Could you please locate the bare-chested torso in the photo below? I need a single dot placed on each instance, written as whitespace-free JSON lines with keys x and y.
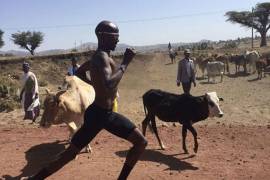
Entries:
{"x":104,"y":95}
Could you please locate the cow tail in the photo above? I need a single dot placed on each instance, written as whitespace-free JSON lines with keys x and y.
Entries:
{"x":144,"y":107}
{"x":146,"y":114}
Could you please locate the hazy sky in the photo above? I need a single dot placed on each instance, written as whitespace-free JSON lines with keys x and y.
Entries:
{"x":141,"y":22}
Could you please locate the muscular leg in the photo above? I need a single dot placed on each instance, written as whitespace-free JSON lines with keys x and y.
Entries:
{"x":80,"y":139}
{"x":184,"y":135}
{"x":122,"y":127}
{"x":63,"y":158}
{"x":139,"y":144}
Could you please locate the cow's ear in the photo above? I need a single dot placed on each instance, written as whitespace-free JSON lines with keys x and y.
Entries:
{"x":221,"y":99}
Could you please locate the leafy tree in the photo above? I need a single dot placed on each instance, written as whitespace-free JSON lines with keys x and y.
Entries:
{"x":1,"y":40}
{"x":203,"y":46}
{"x":259,"y":19}
{"x":28,"y":40}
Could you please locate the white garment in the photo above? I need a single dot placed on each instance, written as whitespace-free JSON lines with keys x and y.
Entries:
{"x":36,"y":101}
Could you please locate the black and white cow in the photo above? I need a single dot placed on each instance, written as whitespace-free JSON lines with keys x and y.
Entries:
{"x":185,"y":109}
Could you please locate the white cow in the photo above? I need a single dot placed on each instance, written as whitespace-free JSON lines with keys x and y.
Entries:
{"x":215,"y":68}
{"x":251,"y":58}
{"x":68,"y":106}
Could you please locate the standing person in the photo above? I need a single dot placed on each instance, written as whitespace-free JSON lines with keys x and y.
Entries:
{"x":169,"y":46}
{"x":74,"y":67}
{"x":186,"y":72}
{"x":29,"y":93}
{"x":105,"y":77}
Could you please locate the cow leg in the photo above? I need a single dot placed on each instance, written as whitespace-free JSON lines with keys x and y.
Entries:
{"x":194,"y":133}
{"x":73,"y":128}
{"x":221,"y":77}
{"x":184,"y":135}
{"x":154,"y":126}
{"x":144,"y":124}
{"x":203,"y":73}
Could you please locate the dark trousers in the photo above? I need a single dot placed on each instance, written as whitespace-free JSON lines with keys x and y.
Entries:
{"x":186,"y":87}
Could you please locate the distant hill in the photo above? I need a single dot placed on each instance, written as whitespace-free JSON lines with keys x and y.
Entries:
{"x":15,"y":52}
{"x":52,"y":52}
{"x":148,"y":48}
{"x":122,"y":47}
{"x":41,"y":53}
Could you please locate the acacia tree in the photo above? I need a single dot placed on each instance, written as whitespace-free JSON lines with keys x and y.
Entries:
{"x":259,"y":19}
{"x":1,"y":40}
{"x":28,"y":40}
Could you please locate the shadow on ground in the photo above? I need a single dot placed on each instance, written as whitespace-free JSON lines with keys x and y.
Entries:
{"x":210,"y":82}
{"x":170,"y":63}
{"x":238,"y":74}
{"x":37,"y":157}
{"x":172,"y":162}
{"x":252,"y":80}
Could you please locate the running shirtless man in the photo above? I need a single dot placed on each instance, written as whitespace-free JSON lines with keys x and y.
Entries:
{"x":105,"y":77}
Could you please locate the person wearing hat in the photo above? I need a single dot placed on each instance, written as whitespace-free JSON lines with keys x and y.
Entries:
{"x":105,"y":77}
{"x":186,"y":72}
{"x":74,"y":67}
{"x":29,"y":93}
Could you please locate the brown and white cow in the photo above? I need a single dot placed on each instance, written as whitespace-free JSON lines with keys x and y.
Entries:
{"x":68,"y":106}
{"x":201,"y":63}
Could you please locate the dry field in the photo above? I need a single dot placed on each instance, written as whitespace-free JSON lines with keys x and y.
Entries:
{"x":236,"y":146}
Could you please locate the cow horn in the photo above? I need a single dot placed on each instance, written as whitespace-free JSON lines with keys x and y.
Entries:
{"x":48,"y":91}
{"x":58,"y":94}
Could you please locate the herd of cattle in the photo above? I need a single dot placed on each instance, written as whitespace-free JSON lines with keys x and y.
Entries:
{"x":219,"y":65}
{"x":68,"y":106}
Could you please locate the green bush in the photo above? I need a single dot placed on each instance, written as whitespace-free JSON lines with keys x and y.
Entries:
{"x":9,"y":99}
{"x":8,"y":104}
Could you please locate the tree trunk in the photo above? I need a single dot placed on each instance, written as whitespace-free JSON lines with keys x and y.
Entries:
{"x":263,"y":39}
{"x":32,"y":52}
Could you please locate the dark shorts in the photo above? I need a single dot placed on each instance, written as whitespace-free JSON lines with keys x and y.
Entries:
{"x":96,"y":119}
